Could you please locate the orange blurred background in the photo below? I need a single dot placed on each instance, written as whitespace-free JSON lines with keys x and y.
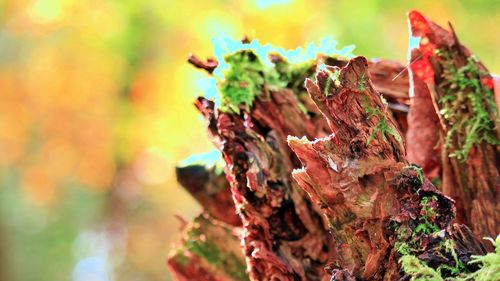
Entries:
{"x":96,"y":110}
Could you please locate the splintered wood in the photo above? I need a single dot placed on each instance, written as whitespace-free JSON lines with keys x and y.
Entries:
{"x":334,"y":171}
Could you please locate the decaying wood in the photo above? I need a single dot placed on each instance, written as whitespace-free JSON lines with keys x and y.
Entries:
{"x":390,"y":78}
{"x":424,"y":144}
{"x":284,"y":237}
{"x":261,"y":180}
{"x":211,"y":189}
{"x":333,"y":166}
{"x":209,"y":251}
{"x":209,"y":65}
{"x":320,"y":180}
{"x":363,"y":183}
{"x":472,"y":179}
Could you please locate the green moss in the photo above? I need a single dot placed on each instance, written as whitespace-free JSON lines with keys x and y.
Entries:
{"x":302,"y":107}
{"x":418,"y":270}
{"x":418,"y":170}
{"x":362,"y":81}
{"x":333,"y":77}
{"x":436,"y":182}
{"x":426,"y":226}
{"x":489,"y":265}
{"x":467,"y":106}
{"x":452,"y":270}
{"x":247,"y":69}
{"x":199,"y":244}
{"x":295,"y":74}
{"x":382,"y":127}
{"x":245,"y":79}
{"x":403,"y":248}
{"x":180,"y":258}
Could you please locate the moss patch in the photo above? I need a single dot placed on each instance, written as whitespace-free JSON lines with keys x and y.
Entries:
{"x":362,"y":82}
{"x":467,"y":106}
{"x":247,"y":69}
{"x":418,"y":270}
{"x":382,"y":127}
{"x":418,"y":170}
{"x":489,"y":264}
{"x":198,"y":241}
{"x":428,"y":216}
{"x":245,"y":79}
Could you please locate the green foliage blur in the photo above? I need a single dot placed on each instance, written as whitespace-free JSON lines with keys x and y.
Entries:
{"x":96,"y":110}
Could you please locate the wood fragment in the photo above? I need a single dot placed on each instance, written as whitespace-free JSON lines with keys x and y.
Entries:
{"x":461,"y":90}
{"x":209,"y":251}
{"x":371,"y":197}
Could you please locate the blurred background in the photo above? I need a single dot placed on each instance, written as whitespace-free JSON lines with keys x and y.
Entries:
{"x":96,"y":110}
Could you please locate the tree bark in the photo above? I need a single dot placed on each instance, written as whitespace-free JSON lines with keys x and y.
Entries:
{"x":209,"y":251}
{"x":370,"y":195}
{"x":460,"y":90}
{"x":210,"y":188}
{"x":341,"y":200}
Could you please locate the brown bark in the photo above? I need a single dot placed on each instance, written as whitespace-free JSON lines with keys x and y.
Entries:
{"x":284,"y":238}
{"x":341,"y":201}
{"x":390,"y":78}
{"x":211,"y":189}
{"x":423,"y":141}
{"x":459,"y":86}
{"x":369,"y":195}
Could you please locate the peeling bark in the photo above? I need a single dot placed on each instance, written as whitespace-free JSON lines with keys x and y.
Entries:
{"x":458,"y":86}
{"x":340,"y":200}
{"x":211,"y":189}
{"x":423,"y":140}
{"x":284,"y":236}
{"x":370,"y":196}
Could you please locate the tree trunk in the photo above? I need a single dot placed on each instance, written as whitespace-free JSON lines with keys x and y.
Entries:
{"x":319,"y":177}
{"x":375,"y":202}
{"x":460,"y":89}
